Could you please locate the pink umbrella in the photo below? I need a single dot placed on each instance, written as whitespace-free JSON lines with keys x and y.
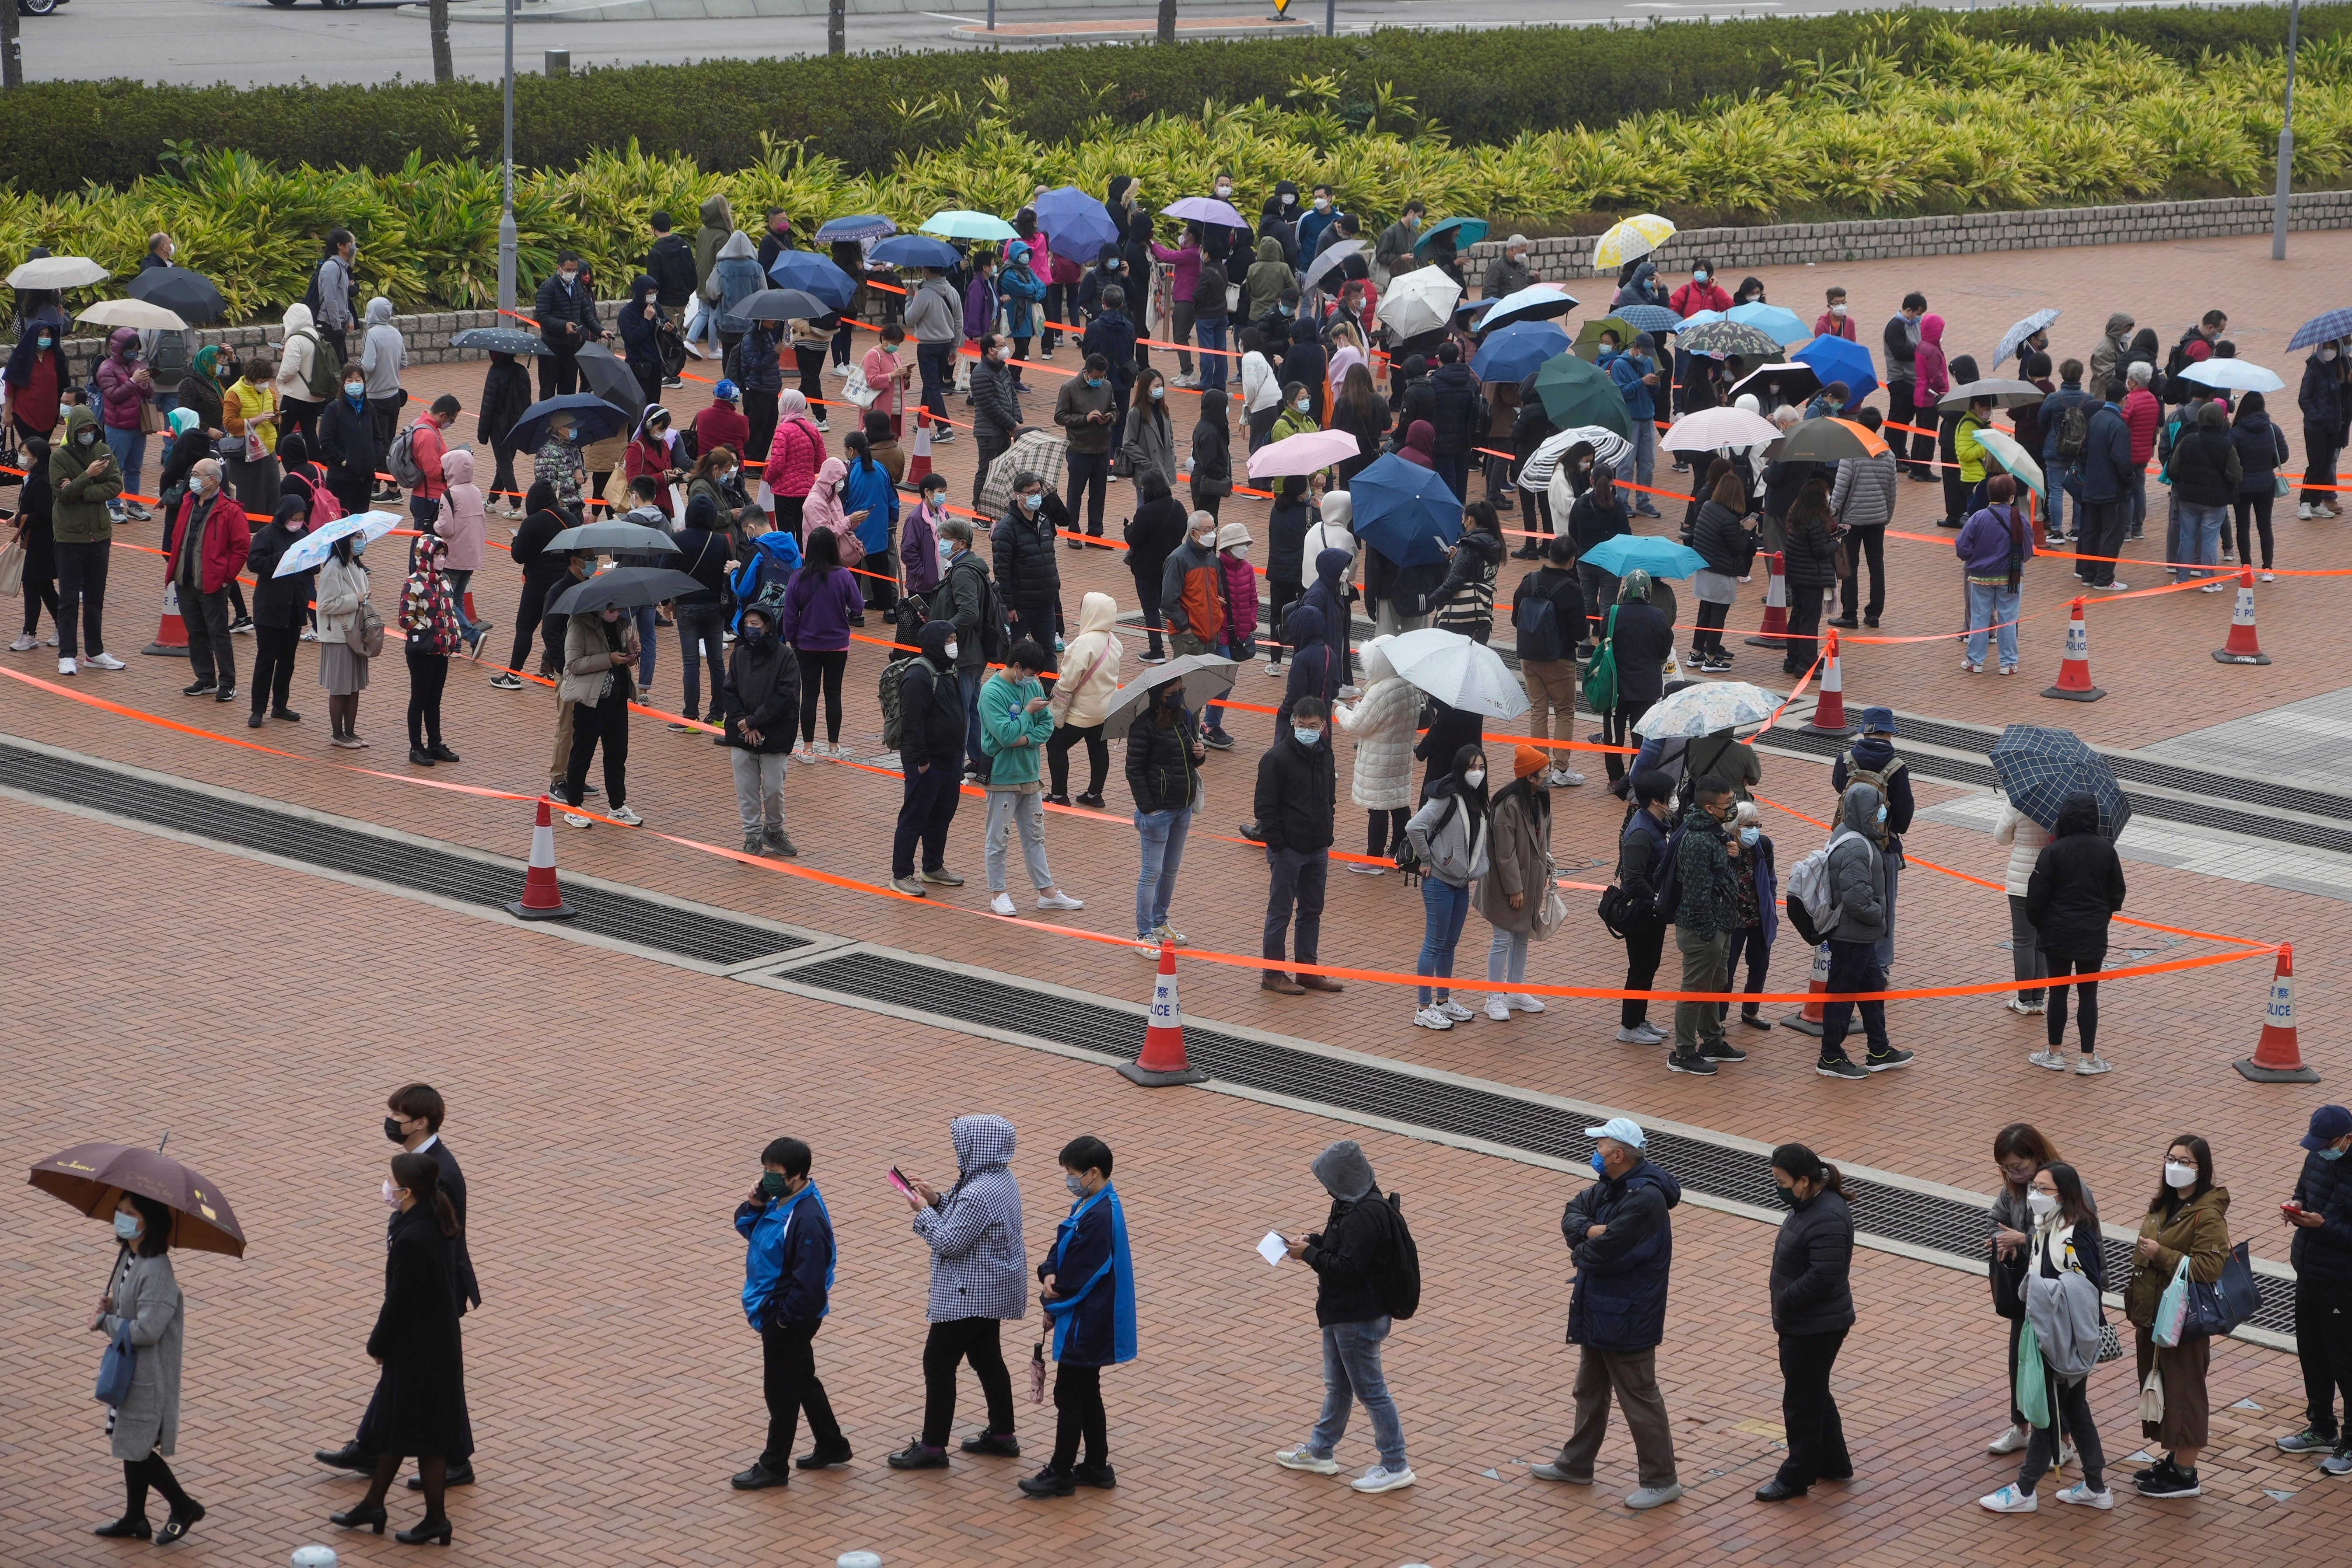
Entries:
{"x":1308,"y":452}
{"x":1207,"y":210}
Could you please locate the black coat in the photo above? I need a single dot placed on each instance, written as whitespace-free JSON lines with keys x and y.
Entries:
{"x":931,"y":704}
{"x":1285,"y":556}
{"x":1813,"y":1263}
{"x":1161,"y":773}
{"x":1644,"y":640}
{"x":421,"y":1398}
{"x":556,"y":306}
{"x":1312,"y":672}
{"x":1620,"y":1301}
{"x":2325,"y":1188}
{"x":2077,"y":883}
{"x":1444,"y":731}
{"x":1454,"y":391}
{"x":670,"y":264}
{"x":1026,"y":555}
{"x":1721,"y":536}
{"x":1296,"y":794}
{"x":346,"y":444}
{"x":1808,"y":554}
{"x":1157,"y":527}
{"x":1342,"y":1255}
{"x":506,"y":393}
{"x":763,"y":693}
{"x":1308,"y":365}
{"x":278,"y":602}
{"x":539,"y":564}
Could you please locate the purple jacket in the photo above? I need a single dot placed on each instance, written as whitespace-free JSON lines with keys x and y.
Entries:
{"x":117,"y":393}
{"x":980,"y":307}
{"x":817,"y":610}
{"x":918,"y":547}
{"x":1984,"y":544}
{"x":1187,"y":262}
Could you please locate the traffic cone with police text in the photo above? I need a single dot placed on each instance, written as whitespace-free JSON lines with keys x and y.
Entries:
{"x":2074,"y":674}
{"x":1162,"y":1061}
{"x":171,"y":633}
{"x":1774,"y":631}
{"x":542,"y":899}
{"x":1829,"y":712}
{"x":2242,"y":647}
{"x":1809,"y":1022}
{"x":2278,"y":1055}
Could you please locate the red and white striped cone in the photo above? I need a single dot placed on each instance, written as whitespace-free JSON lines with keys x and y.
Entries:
{"x":542,"y":899}
{"x":171,"y":633}
{"x":2278,"y":1055}
{"x":920,"y":464}
{"x":1773,"y":632}
{"x":1809,"y":1020}
{"x":1828,"y":713}
{"x":2242,"y":647}
{"x":1164,"y":1061}
{"x":2074,"y":674}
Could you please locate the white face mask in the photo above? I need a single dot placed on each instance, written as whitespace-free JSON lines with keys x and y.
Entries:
{"x":2178,"y":1176}
{"x":1474,"y":777}
{"x":1158,"y":393}
{"x":1239,"y":552}
{"x":951,"y":649}
{"x":2325,"y":354}
{"x":390,"y":1195}
{"x":1322,"y":203}
{"x":1223,"y":190}
{"x":2044,"y":1204}
{"x":1837,"y":310}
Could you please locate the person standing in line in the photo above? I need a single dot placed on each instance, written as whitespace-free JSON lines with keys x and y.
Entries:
{"x":143,"y":1303}
{"x":1080,"y":701}
{"x":1351,"y":1256}
{"x":2320,"y":1212}
{"x":84,"y":482}
{"x":2105,"y":513}
{"x":1863,"y":502}
{"x":2064,"y":1238}
{"x":1871,"y":760}
{"x":1904,"y":405}
{"x":1086,"y":410}
{"x":1088,"y":1276}
{"x":209,"y":546}
{"x":1381,"y":720}
{"x":462,"y":521}
{"x":545,"y":573}
{"x":1993,"y":549}
{"x":1212,"y":458}
{"x":2187,"y":1221}
{"x":342,"y":668}
{"x":2019,"y":1150}
{"x":421,"y":1408}
{"x":302,"y":376}
{"x":1296,"y":796}
{"x":1014,"y":727}
{"x":1707,"y":868}
{"x":2024,"y":838}
{"x":930,"y":751}
{"x":1759,"y":916}
{"x":2076,"y":886}
{"x":935,"y":316}
{"x":347,"y":444}
{"x":335,"y":290}
{"x":1813,"y":1310}
{"x":2261,"y":452}
{"x":2326,"y":402}
{"x":795,"y":453}
{"x":1028,"y":573}
{"x":1858,"y":880}
{"x":995,"y":409}
{"x":566,"y":310}
{"x":788,"y":1267}
{"x":1642,"y":865}
{"x":816,"y":614}
{"x":124,"y":387}
{"x":970,"y":600}
{"x":1155,"y":531}
{"x":1449,"y":837}
{"x":1163,"y":759}
{"x":1620,"y":1240}
{"x":278,"y":606}
{"x":428,"y":615}
{"x":978,"y":1283}
{"x":599,"y":649}
{"x":705,"y":547}
{"x":384,"y":355}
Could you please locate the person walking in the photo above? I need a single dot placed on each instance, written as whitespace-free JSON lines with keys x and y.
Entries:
{"x":1993,"y":549}
{"x":343,"y":607}
{"x":1706,"y":912}
{"x":1813,"y":1310}
{"x":978,"y":1283}
{"x":2320,"y":1212}
{"x":1297,"y":793}
{"x":1351,"y":1256}
{"x":143,"y":1307}
{"x":815,"y":623}
{"x":1014,"y":728}
{"x":1449,"y":838}
{"x":2064,"y":1245}
{"x":1642,"y":861}
{"x":599,"y":649}
{"x":428,"y":616}
{"x":1858,"y":878}
{"x":1081,"y":702}
{"x":1162,"y":766}
{"x":416,"y":1342}
{"x":1513,"y":895}
{"x":2262,"y":451}
{"x":2024,"y":838}
{"x":788,"y":1269}
{"x":2187,"y":1224}
{"x":1088,"y":1275}
{"x":1620,"y":1240}
{"x":2076,"y":886}
{"x":760,"y":700}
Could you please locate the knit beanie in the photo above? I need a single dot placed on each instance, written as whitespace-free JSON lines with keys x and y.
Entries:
{"x":1530,"y":760}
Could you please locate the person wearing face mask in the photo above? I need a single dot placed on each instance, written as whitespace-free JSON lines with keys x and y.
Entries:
{"x":1321,"y":216}
{"x":2019,"y":1150}
{"x":1620,"y":1240}
{"x":2320,"y":1212}
{"x":342,"y":668}
{"x":932,"y":726}
{"x":1449,"y":838}
{"x":1149,"y":442}
{"x":1833,"y":321}
{"x":2076,"y":888}
{"x":1858,"y":876}
{"x":1081,"y":699}
{"x":1088,"y":1276}
{"x":1295,"y":799}
{"x":1014,"y":725}
{"x":35,"y":377}
{"x":759,"y":699}
{"x":1702,"y":292}
{"x":347,"y":443}
{"x":83,"y":481}
{"x":33,"y":533}
{"x":1760,"y":917}
{"x":1393,"y":256}
{"x":1873,"y":760}
{"x":978,"y":1285}
{"x":600,"y":653}
{"x":1512,"y":898}
{"x":788,"y":1267}
{"x":1028,"y":572}
{"x":1193,"y":594}
{"x":995,"y":408}
{"x":1163,"y":767}
{"x":2325,"y":400}
{"x":209,"y":543}
{"x":384,"y":355}
{"x":280,"y":604}
{"x":1708,"y":865}
{"x":567,"y":322}
{"x":2186,"y":1222}
{"x":2064,"y":1272}
{"x":1087,"y":410}
{"x":1813,"y":1310}
{"x":144,"y":1305}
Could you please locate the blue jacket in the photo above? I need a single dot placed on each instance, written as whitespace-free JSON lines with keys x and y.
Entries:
{"x":1021,"y":290}
{"x":1619,"y":1300}
{"x":1093,"y":1310}
{"x":2107,"y":457}
{"x":788,"y":1267}
{"x":1627,"y":370}
{"x":869,"y":487}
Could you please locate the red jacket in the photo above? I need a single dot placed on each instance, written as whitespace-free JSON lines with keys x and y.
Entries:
{"x":2142,"y":415}
{"x":720,"y":425}
{"x":427,"y":447}
{"x":1692,"y":298}
{"x":650,"y":457}
{"x":1828,"y":326}
{"x":228,"y":539}
{"x":795,"y":453}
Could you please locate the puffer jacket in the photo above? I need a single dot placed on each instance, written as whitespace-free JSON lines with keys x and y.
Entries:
{"x":1857,"y":869}
{"x":1863,"y":495}
{"x":1721,"y":535}
{"x":1025,"y":553}
{"x":1193,"y":592}
{"x":795,"y":453}
{"x":979,"y":1265}
{"x":1618,"y":1302}
{"x":1519,"y":857}
{"x":930,"y":703}
{"x":1381,"y":721}
{"x":2324,"y":1252}
{"x":118,"y":392}
{"x":2077,"y":883}
{"x":736,"y":277}
{"x":995,"y":405}
{"x":298,"y":353}
{"x":1812,"y":1267}
{"x":1084,"y":690}
{"x":763,"y":693}
{"x":78,"y":513}
{"x":2025,"y":838}
{"x":1268,"y":275}
{"x":1161,"y":773}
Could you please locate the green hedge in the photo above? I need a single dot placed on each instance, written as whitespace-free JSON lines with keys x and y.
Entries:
{"x":1482,"y":87}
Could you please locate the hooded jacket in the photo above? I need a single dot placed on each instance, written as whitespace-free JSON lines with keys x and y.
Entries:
{"x":1354,"y":1236}
{"x":463,"y":518}
{"x":718,"y":223}
{"x":1312,"y":672}
{"x":762,"y":694}
{"x":1618,"y":1302}
{"x":1267,"y":277}
{"x":1149,"y":432}
{"x":2205,"y":468}
{"x":796,"y":449}
{"x":120,"y":394}
{"x":930,"y":703}
{"x":670,"y":264}
{"x":735,"y":277}
{"x":2262,"y":447}
{"x":2107,"y":359}
{"x":1934,"y":376}
{"x":78,"y":513}
{"x":506,"y":393}
{"x":1161,"y":773}
{"x":1156,"y":528}
{"x":1857,"y":869}
{"x":1021,"y":290}
{"x":2077,"y":883}
{"x":384,"y":353}
{"x":1112,"y":335}
{"x":1084,"y":692}
{"x":1193,"y":592}
{"x":279,"y":603}
{"x":934,"y":314}
{"x":640,"y":322}
{"x":346,"y":444}
{"x":979,"y":1265}
{"x":22,"y":362}
{"x":1382,"y":722}
{"x":296,"y":358}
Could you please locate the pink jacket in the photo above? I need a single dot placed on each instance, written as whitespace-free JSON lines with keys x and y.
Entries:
{"x":1933,"y":379}
{"x":1187,"y":263}
{"x":120,"y":394}
{"x":823,"y":509}
{"x":793,"y":453}
{"x":880,"y":368}
{"x":462,"y":521}
{"x":1241,"y":594}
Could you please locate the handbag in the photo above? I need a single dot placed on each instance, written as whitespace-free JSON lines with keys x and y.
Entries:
{"x":366,"y":636}
{"x":854,"y":387}
{"x":2172,"y":1310}
{"x":2215,"y":1310}
{"x":151,"y":419}
{"x":114,"y":1370}
{"x":1126,"y":462}
{"x":2151,"y":1395}
{"x":1600,"y":675}
{"x":2280,"y":486}
{"x":12,"y":568}
{"x":2032,"y":1391}
{"x":1553,"y":913}
{"x":2111,"y":1344}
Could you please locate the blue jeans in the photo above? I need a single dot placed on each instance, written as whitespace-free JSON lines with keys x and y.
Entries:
{"x":1991,"y":605}
{"x":130,"y":450}
{"x":975,"y":759}
{"x":937,"y":361}
{"x":1351,"y":1370}
{"x":2056,"y":480}
{"x":647,"y":644}
{"x":1211,"y":337}
{"x":2201,"y":528}
{"x":1443,"y":908}
{"x":1162,"y":833}
{"x":1645,"y":463}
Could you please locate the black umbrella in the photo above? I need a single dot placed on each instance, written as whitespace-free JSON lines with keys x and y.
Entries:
{"x":610,"y":378}
{"x":2038,"y":767}
{"x":629,"y":587}
{"x":500,"y":341}
{"x":782,"y":305}
{"x":594,"y":418}
{"x":187,"y":295}
{"x":1794,"y":381}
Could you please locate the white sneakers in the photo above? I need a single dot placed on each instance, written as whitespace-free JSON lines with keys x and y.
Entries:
{"x":1002,"y":904}
{"x":100,"y":661}
{"x":1057,"y":900}
{"x":64,"y":667}
{"x":2091,"y":1066}
{"x":1523,"y":1003}
{"x":1642,"y":1033}
{"x":1564,"y":778}
{"x":2009,"y":1500}
{"x":2079,"y":1493}
{"x":805,"y":752}
{"x":1380,"y":1479}
{"x":2024,"y":1009}
{"x":24,"y":644}
{"x":1300,"y":1459}
{"x":627,"y":817}
{"x":1501,"y":1004}
{"x":1455,"y":1011}
{"x":2048,"y":1058}
{"x":2012,"y":1440}
{"x":1431,"y":1018}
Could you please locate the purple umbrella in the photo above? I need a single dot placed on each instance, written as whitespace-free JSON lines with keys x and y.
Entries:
{"x":1077,"y":227}
{"x":94,"y":1176}
{"x":1205,"y":209}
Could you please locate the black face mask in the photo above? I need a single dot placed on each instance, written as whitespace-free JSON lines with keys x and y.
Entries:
{"x":392,"y":1129}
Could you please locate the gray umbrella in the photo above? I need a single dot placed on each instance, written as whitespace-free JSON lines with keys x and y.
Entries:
{"x":1334,"y":256}
{"x":613,"y":534}
{"x":1203,"y":674}
{"x":2011,"y":339}
{"x":2004,"y":394}
{"x":782,"y":305}
{"x":630,"y":587}
{"x":2038,"y":767}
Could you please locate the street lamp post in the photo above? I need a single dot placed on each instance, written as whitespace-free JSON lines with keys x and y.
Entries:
{"x":506,"y":214}
{"x":2286,"y":139}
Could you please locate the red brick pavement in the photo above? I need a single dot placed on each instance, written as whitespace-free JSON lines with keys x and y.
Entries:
{"x":259,"y":1015}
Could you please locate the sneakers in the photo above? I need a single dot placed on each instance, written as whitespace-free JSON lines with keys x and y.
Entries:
{"x":1431,"y":1018}
{"x":1360,"y":869}
{"x":100,"y":661}
{"x":2009,"y":1500}
{"x":2310,"y":1440}
{"x":24,"y":644}
{"x":1498,"y":1008}
{"x":777,"y":843}
{"x":1722,"y":1051}
{"x":1049,"y":1482}
{"x":1216,"y":739}
{"x":2168,"y":1480}
{"x":570,"y":818}
{"x":1273,"y":667}
{"x":942,"y":877}
{"x":242,"y":624}
{"x":1380,"y":1479}
{"x":2091,"y":1066}
{"x":1168,"y":934}
{"x":1886,"y":1061}
{"x":1148,"y":657}
{"x":64,"y":667}
{"x":804,"y":754}
{"x":1303,"y":1458}
{"x":2080,"y":1494}
{"x":2012,"y":1440}
{"x":1647,"y":1498}
{"x":1057,"y":900}
{"x":2212,"y":588}
{"x":1696,"y":1064}
{"x":1839,"y":1067}
{"x":1001,"y":904}
{"x":2338,"y":1463}
{"x":918,"y":1456}
{"x":2025,"y":1009}
{"x":1455,"y":1011}
{"x":2117,"y":586}
{"x":2266,"y":576}
{"x":627,"y":817}
{"x":2048,"y":1058}
{"x":1565,"y":778}
{"x":506,"y":681}
{"x":1642,"y":1034}
{"x":1523,"y":1003}
{"x":907,"y":885}
{"x":1551,"y":1471}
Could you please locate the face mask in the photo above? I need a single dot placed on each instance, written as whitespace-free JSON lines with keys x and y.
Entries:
{"x":1322,"y":203}
{"x":1599,"y":1166}
{"x":2324,"y":354}
{"x":1698,"y":276}
{"x":86,"y":436}
{"x":1413,"y":220}
{"x":1837,"y":311}
{"x":1032,"y":503}
{"x":1750,"y":834}
{"x":1474,"y":777}
{"x":126,"y":1226}
{"x":1093,"y":381}
{"x":1288,"y":311}
{"x":2331,"y":1153}
{"x":571,"y":276}
{"x":1833,"y":403}
{"x":1307,"y":737}
{"x":391,"y":1123}
{"x":1881,"y":814}
{"x":355,"y":390}
{"x":1075,"y":1182}
{"x":1204,"y":542}
{"x":2179,"y":1176}
{"x":1223,"y":190}
{"x":951,"y":649}
{"x":390,"y":1195}
{"x":46,"y":341}
{"x":1158,"y":393}
{"x":773,"y":1185}
{"x":1788,"y":1195}
{"x":1303,"y":405}
{"x":2044,"y":1204}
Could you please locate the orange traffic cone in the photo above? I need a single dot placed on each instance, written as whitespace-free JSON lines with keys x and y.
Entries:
{"x":2074,"y":674}
{"x":2278,"y":1055}
{"x":1772,"y":633}
{"x":1829,"y":712}
{"x":1162,"y":1061}
{"x":920,"y":464}
{"x":1809,"y":1021}
{"x":172,"y":635}
{"x":542,"y":899}
{"x":2243,"y":647}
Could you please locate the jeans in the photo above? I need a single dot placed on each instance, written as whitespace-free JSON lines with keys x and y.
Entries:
{"x":2135,"y":492}
{"x":1645,"y":464}
{"x":210,"y":652}
{"x":700,"y":640}
{"x":1351,"y":1370}
{"x":1507,"y":957}
{"x":2070,"y":1409}
{"x":2027,"y":961}
{"x":975,"y":758}
{"x":1645,"y":943}
{"x":788,"y":1378}
{"x":2201,"y":530}
{"x":2080,"y":965}
{"x":1853,"y":966}
{"x":949,"y":1345}
{"x":1298,"y":878}
{"x":759,"y":789}
{"x":1993,"y":605}
{"x":2058,"y":476}
{"x":1698,"y":1024}
{"x":82,"y":582}
{"x":1211,"y":333}
{"x":1445,"y":906}
{"x":1090,"y":477}
{"x":130,"y":450}
{"x":459,"y":583}
{"x":648,"y":645}
{"x":1161,"y":834}
{"x":938,"y":363}
{"x":1023,"y":810}
{"x":1808,"y":1410}
{"x":925,"y":810}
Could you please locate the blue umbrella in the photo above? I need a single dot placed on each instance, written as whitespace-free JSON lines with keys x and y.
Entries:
{"x":1077,"y":227}
{"x":814,"y":275}
{"x":1660,"y":557}
{"x":864,"y":225}
{"x":1404,"y":511}
{"x":1512,"y":353}
{"x":1466,"y":232}
{"x":1535,"y":302}
{"x":2327,"y":328}
{"x":1783,"y":325}
{"x":1648,"y":318}
{"x":916,"y":250}
{"x":2038,"y":767}
{"x":1834,"y":359}
{"x":593,"y":419}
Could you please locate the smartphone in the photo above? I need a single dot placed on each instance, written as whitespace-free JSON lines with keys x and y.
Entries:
{"x":901,"y":1182}
{"x":2290,"y":1207}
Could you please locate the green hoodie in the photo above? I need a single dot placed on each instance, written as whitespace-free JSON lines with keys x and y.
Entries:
{"x":1268,"y":275}
{"x":1002,"y":727}
{"x":78,"y":513}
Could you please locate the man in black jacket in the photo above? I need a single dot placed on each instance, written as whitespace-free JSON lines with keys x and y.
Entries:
{"x":930,"y":744}
{"x":1210,"y":318}
{"x":705,"y":553}
{"x":1640,"y":866}
{"x":762,"y":696}
{"x":1296,"y":794}
{"x":2322,"y":1255}
{"x":1901,"y":341}
{"x":415,"y":1123}
{"x":1455,"y":400}
{"x":995,"y":407}
{"x":1355,"y":1242}
{"x":567,"y":322}
{"x":1028,"y":573}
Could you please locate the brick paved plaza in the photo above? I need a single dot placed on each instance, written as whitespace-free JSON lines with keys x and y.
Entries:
{"x":609,"y":1103}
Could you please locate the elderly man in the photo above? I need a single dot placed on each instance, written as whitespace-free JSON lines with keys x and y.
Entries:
{"x":1508,"y":273}
{"x":209,"y":544}
{"x":1621,"y":1242}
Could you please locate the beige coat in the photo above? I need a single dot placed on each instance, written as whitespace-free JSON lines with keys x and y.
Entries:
{"x":588,"y":657}
{"x":1080,"y":699}
{"x":2025,"y":838}
{"x":1381,"y":723}
{"x":341,"y":591}
{"x":1519,"y":858}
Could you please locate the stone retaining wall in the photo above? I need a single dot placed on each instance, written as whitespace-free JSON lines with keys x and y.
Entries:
{"x":428,"y":336}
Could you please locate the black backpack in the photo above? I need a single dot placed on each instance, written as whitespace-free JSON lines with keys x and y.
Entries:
{"x":1396,"y":1268}
{"x":993,"y":639}
{"x":2073,"y":431}
{"x":1537,"y":620}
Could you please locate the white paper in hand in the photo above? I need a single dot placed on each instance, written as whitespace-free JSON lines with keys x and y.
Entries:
{"x":1274,"y":1249}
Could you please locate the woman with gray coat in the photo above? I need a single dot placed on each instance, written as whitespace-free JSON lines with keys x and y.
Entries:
{"x":144,"y":1299}
{"x":1151,"y":435}
{"x":980,"y":1281}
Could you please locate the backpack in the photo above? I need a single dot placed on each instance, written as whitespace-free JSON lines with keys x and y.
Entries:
{"x":1668,"y":881}
{"x":894,"y":677}
{"x":326,"y":368}
{"x":171,"y":359}
{"x":1396,"y":1268}
{"x":1813,"y":905}
{"x":1600,"y":675}
{"x":759,"y":585}
{"x":994,"y":638}
{"x":1879,"y":779}
{"x":1537,"y":620}
{"x":401,"y":460}
{"x":2177,"y":360}
{"x":324,"y":507}
{"x":2073,"y":431}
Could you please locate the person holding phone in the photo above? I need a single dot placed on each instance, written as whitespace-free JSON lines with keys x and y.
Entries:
{"x":979,"y":1282}
{"x":788,"y":1269}
{"x":1014,"y":723}
{"x":2322,"y":1255}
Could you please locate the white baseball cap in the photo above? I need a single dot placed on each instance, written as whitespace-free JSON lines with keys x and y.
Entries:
{"x":1618,"y":1129}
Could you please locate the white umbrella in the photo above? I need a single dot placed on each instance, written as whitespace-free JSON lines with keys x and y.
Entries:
{"x":1721,"y":426}
{"x":1458,"y":673}
{"x":1337,"y":251}
{"x":1608,"y":447}
{"x":1420,"y":302}
{"x":57,"y":272}
{"x":2010,"y":454}
{"x":1203,"y":674}
{"x":1696,"y":711}
{"x":2237,"y":375}
{"x":310,"y":550}
{"x":131,"y":313}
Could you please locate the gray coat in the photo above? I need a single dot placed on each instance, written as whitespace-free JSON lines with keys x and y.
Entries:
{"x":1149,"y":431}
{"x":147,"y":1296}
{"x":1858,"y":870}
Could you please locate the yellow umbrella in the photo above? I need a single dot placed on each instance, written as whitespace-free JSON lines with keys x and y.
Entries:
{"x":1637,"y":236}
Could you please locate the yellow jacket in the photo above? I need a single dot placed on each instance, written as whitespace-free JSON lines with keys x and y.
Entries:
{"x":245,"y":401}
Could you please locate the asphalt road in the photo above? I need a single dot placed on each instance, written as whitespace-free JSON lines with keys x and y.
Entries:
{"x":250,"y":42}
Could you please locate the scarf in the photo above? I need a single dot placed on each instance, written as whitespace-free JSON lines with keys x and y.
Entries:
{"x":1120,"y":1266}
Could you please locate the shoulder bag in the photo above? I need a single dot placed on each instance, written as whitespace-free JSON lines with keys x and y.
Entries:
{"x":12,"y":567}
{"x":114,"y":1368}
{"x":366,"y":636}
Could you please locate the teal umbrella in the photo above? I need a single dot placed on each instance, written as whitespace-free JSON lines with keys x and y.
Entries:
{"x":1577,"y":393}
{"x":1466,"y":232}
{"x":1648,"y":552}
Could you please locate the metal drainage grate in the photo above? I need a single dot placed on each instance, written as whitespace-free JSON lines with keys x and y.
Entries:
{"x":1897,"y":1214}
{"x":688,"y":933}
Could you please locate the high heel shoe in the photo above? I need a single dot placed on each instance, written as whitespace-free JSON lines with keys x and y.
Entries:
{"x":432,"y":1530}
{"x":361,"y":1519}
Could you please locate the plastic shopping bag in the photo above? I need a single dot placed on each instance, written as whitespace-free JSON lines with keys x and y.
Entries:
{"x":2033,"y":1392}
{"x":2172,"y":1308}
